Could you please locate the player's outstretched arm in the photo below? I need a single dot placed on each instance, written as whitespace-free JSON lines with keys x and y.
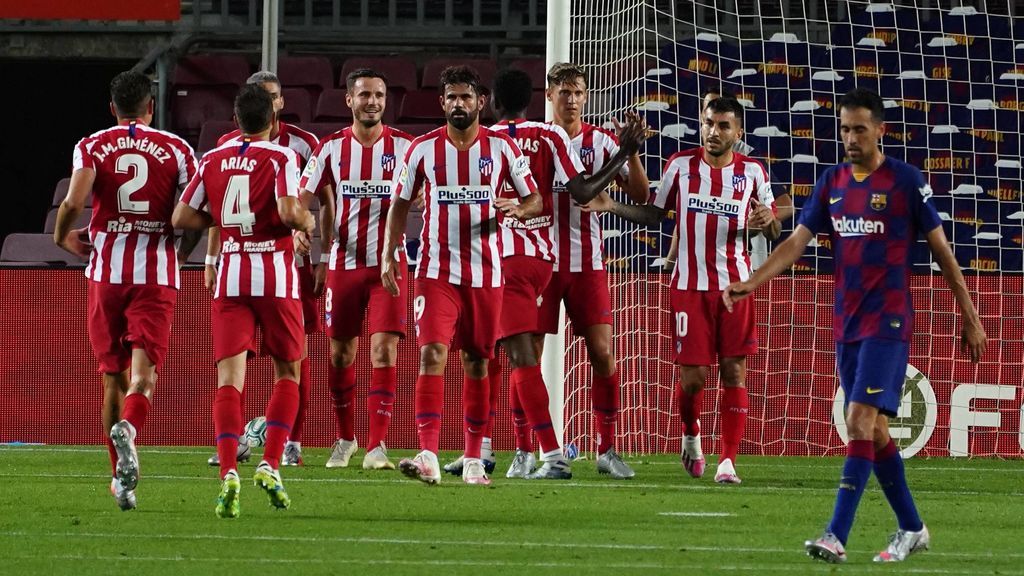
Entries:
{"x":294,"y":215}
{"x":72,"y":206}
{"x":390,"y":272}
{"x":973,"y":334}
{"x":529,"y":207}
{"x":763,"y":221}
{"x":637,"y":186}
{"x":186,"y":217}
{"x":583,"y":189}
{"x":781,"y":259}
{"x":643,"y":214}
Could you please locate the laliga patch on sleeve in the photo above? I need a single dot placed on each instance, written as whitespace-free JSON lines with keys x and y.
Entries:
{"x":402,"y":174}
{"x":521,"y":167}
{"x":310,"y":168}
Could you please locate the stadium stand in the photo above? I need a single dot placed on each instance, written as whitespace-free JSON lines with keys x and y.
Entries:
{"x":36,"y":249}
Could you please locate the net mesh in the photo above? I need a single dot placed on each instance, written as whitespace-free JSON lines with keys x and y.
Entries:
{"x":951,"y":79}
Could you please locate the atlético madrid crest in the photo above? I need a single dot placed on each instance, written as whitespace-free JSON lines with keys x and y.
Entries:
{"x":587,"y":155}
{"x":486,"y":166}
{"x":387,"y":162}
{"x":878,"y":201}
{"x":739,"y":183}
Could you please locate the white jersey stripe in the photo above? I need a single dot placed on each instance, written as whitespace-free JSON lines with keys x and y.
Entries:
{"x":234,"y":268}
{"x":139,"y":257}
{"x":256,"y":272}
{"x":280,"y":276}
{"x":117,"y":258}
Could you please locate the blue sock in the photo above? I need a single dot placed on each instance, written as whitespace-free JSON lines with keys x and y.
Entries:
{"x":891,"y":477}
{"x":860,"y":455}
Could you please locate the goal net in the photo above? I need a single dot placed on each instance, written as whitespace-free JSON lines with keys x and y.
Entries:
{"x":952,"y":83}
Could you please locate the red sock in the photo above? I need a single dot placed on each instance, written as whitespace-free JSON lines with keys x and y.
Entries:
{"x":733,"y":409}
{"x":519,"y":421}
{"x":300,"y":416}
{"x":475,"y":395}
{"x":284,"y":403}
{"x":534,"y":396}
{"x":604,"y":397}
{"x":227,"y":420}
{"x":380,"y":402}
{"x":113,"y":455}
{"x":689,"y":411}
{"x":342,"y":382}
{"x":429,"y":404}
{"x":494,"y":380}
{"x":136,"y":408}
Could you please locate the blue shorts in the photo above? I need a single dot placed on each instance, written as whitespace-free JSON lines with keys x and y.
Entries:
{"x":872,"y":372}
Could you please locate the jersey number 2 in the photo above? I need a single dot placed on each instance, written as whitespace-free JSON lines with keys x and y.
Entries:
{"x":236,"y":205}
{"x":124,"y":193}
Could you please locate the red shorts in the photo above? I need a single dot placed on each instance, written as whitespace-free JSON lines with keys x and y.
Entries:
{"x":587,"y":301}
{"x":234,"y":320}
{"x":705,"y":331}
{"x":470,"y":315}
{"x":355,"y":295}
{"x":123,"y":317}
{"x":526,"y":278}
{"x":310,"y":303}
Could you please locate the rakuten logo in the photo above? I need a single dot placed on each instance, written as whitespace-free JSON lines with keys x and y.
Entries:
{"x":860,"y":227}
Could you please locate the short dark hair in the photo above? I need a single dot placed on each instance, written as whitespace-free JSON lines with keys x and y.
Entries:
{"x":254,"y":108}
{"x":130,"y":92}
{"x":350,"y":80}
{"x":724,"y":104}
{"x":566,"y":72}
{"x":864,"y":98}
{"x":459,"y":75}
{"x":262,"y":77}
{"x":512,"y":90}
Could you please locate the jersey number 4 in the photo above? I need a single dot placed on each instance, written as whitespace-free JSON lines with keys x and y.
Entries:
{"x":236,"y":205}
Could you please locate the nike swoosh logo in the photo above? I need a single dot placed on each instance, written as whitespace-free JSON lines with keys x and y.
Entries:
{"x":874,"y":390}
{"x":425,"y":424}
{"x":834,"y":200}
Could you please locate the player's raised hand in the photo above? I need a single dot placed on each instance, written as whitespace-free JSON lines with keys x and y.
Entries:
{"x":302,"y":243}
{"x":77,"y":242}
{"x":419,"y":201}
{"x":734,"y":293}
{"x":601,"y":203}
{"x":389,"y":273}
{"x":632,"y":134}
{"x":974,"y":340}
{"x":760,"y":215}
{"x":319,"y":279}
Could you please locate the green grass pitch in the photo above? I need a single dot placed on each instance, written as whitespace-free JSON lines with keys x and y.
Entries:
{"x":57,"y":517}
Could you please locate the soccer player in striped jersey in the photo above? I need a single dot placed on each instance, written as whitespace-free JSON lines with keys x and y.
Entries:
{"x":579,"y":277}
{"x":133,"y":172}
{"x":718,"y":195}
{"x":249,"y":189}
{"x":528,"y":258}
{"x":360,"y":163}
{"x":461,"y":168}
{"x":874,"y":207}
{"x":311,"y":276}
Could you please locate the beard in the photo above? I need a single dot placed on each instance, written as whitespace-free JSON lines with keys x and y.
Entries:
{"x":716,"y":152}
{"x":368,"y":121}
{"x":462,"y":121}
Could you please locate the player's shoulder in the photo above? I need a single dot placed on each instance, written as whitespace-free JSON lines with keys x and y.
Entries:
{"x":683,"y":157}
{"x":397,"y":134}
{"x":166,"y":137}
{"x":336,"y":136}
{"x":304,"y":135}
{"x":903,"y":171}
{"x":751,"y":164}
{"x":277,"y":150}
{"x":225,"y":138}
{"x":428,"y":138}
{"x":600,"y":132}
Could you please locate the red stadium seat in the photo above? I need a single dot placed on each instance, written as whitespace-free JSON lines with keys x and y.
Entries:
{"x":211,"y":132}
{"x":298,"y":105}
{"x":61,"y":191}
{"x":536,"y":68}
{"x":331,"y":106}
{"x":322,"y":129}
{"x":36,"y":248}
{"x":537,"y":107}
{"x":400,"y":71}
{"x":211,"y":70}
{"x":310,"y":72}
{"x":432,"y":71}
{"x":416,"y":130}
{"x":81,"y":222}
{"x":193,"y":107}
{"x":422,"y":106}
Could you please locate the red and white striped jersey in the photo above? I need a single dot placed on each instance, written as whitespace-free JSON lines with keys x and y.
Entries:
{"x":138,"y":173}
{"x":711,"y":207}
{"x":289,"y":136}
{"x":552,"y":159}
{"x":238,"y":184}
{"x":460,"y":241}
{"x":363,"y":181}
{"x":579,"y":233}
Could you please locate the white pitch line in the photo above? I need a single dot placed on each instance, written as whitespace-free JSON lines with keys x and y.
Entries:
{"x":698,"y":514}
{"x":459,"y":543}
{"x":748,"y":488}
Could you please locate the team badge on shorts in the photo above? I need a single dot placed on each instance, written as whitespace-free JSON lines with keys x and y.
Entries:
{"x":486,"y":166}
{"x":878,"y":202}
{"x":739,"y":183}
{"x":387,"y":162}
